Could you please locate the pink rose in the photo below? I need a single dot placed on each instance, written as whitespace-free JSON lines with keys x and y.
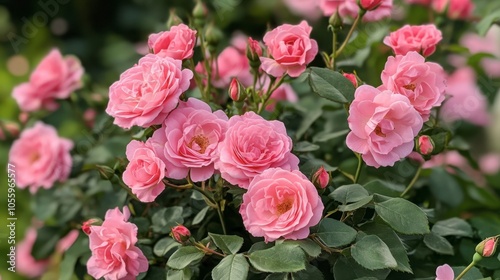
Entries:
{"x":487,"y":44}
{"x":352,"y":78}
{"x":114,"y":254}
{"x":180,"y":234}
{"x":40,"y":157}
{"x":306,"y":8}
{"x":419,"y":38}
{"x":425,"y":145}
{"x":465,"y":101}
{"x":189,"y":140}
{"x":145,"y":172}
{"x":281,"y":203}
{"x":370,"y":4}
{"x":329,"y":7}
{"x":456,"y":9}
{"x":290,"y":49}
{"x":253,"y":145}
{"x":178,"y":43}
{"x":321,"y":178}
{"x":444,"y":272}
{"x":55,"y":77}
{"x":350,"y":9}
{"x":384,"y":10}
{"x":148,"y":91}
{"x":383,"y":126}
{"x":490,"y":164}
{"x":422,"y":82}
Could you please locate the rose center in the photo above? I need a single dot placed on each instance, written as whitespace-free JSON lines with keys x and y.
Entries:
{"x":379,"y":132}
{"x":201,"y":143}
{"x":34,"y":157}
{"x":284,"y":206}
{"x":410,"y":87}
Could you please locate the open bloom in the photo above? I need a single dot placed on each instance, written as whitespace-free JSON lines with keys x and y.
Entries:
{"x":281,"y":203}
{"x":251,"y":146}
{"x":419,"y":38}
{"x":444,"y":272}
{"x":383,"y":126}
{"x":148,"y":91}
{"x":41,"y":157}
{"x":422,"y":82}
{"x":55,"y":77}
{"x":145,"y":171}
{"x":290,"y":48}
{"x":177,"y":43}
{"x":114,"y":254}
{"x":189,"y":140}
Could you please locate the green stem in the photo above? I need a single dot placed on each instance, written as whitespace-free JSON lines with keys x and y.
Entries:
{"x":272,"y":87}
{"x":410,"y":185}
{"x":334,"y":49}
{"x":221,"y":218}
{"x":471,"y":265}
{"x":351,"y":31}
{"x":358,"y":169}
{"x":205,"y":194}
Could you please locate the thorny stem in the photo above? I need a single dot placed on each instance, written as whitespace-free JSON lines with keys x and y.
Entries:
{"x":410,"y":185}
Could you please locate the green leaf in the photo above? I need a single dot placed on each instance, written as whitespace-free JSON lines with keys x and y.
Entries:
{"x":348,"y":269}
{"x":47,"y":238}
{"x":372,"y":253}
{"x":164,"y":245}
{"x":356,"y":205}
{"x":438,"y":244}
{"x":201,"y":215}
{"x":335,"y":233}
{"x":403,"y":216}
{"x":349,"y":193}
{"x":175,"y":274}
{"x":324,"y":137}
{"x":384,"y":188}
{"x":166,"y":218}
{"x":71,"y":256}
{"x":445,"y":187}
{"x":484,"y":25}
{"x":310,"y":247}
{"x":304,"y":147}
{"x":232,"y":267}
{"x":280,"y":258}
{"x":309,"y":118}
{"x":184,"y":256}
{"x":310,"y":273}
{"x":155,"y":273}
{"x":392,"y":240}
{"x":452,"y":226}
{"x":229,"y":244}
{"x":331,"y":85}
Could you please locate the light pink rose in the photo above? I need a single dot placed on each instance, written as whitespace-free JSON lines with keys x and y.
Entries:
{"x":490,"y":164}
{"x":114,"y":254}
{"x":40,"y":157}
{"x":422,"y":82}
{"x":178,"y":43}
{"x":148,"y":91}
{"x":465,"y":101}
{"x":329,"y":7}
{"x":281,"y":203}
{"x":419,"y":38}
{"x":384,"y":10}
{"x":290,"y":49}
{"x":145,"y":171}
{"x":189,"y":140}
{"x":350,"y":9}
{"x":487,"y":44}
{"x":419,"y":2}
{"x":444,"y":272}
{"x":456,"y":9}
{"x":55,"y":77}
{"x":306,"y":8}
{"x":383,"y":126}
{"x":253,"y":145}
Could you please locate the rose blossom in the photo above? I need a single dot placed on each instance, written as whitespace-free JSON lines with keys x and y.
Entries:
{"x":350,"y":9}
{"x":422,"y":82}
{"x":290,"y":49}
{"x":41,"y":157}
{"x":419,"y":38}
{"x":114,"y":254}
{"x":457,"y":9}
{"x":145,"y":171}
{"x":189,"y":140}
{"x":148,"y":91}
{"x":55,"y":77}
{"x":383,"y":126}
{"x":180,"y":234}
{"x":329,"y":7}
{"x":370,"y":4}
{"x":253,"y":145}
{"x":178,"y":43}
{"x":281,"y":203}
{"x":444,"y":272}
{"x":309,"y":9}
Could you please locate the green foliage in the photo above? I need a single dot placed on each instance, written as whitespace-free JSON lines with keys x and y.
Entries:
{"x":334,"y":233}
{"x":184,"y":256}
{"x":231,"y":267}
{"x":403,"y":216}
{"x":280,"y":258}
{"x":331,"y":85}
{"x":229,"y":244}
{"x":372,"y":253}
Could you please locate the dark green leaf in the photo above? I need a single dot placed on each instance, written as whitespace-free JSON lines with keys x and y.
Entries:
{"x":184,"y":274}
{"x":166,"y":218}
{"x":331,"y":85}
{"x":324,"y":137}
{"x":473,"y":274}
{"x":452,"y":226}
{"x":445,"y":187}
{"x":310,"y":273}
{"x":438,"y":244}
{"x":348,"y":269}
{"x":155,"y":273}
{"x":372,"y":253}
{"x":309,"y":118}
{"x":335,"y":233}
{"x":384,"y":188}
{"x":46,"y":241}
{"x":403,"y":216}
{"x":229,"y":244}
{"x":200,"y":215}
{"x":164,"y":245}
{"x":310,"y":247}
{"x":232,"y":267}
{"x":80,"y":247}
{"x":356,"y":205}
{"x":184,"y":256}
{"x":280,"y":258}
{"x":304,"y":147}
{"x":349,"y":193}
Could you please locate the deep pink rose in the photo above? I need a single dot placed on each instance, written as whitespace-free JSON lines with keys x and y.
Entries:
{"x":145,"y":171}
{"x":419,"y":38}
{"x":422,"y":82}
{"x":148,"y":91}
{"x":55,"y":77}
{"x":253,"y":145}
{"x":281,"y":203}
{"x":444,"y":272}
{"x":189,"y":140}
{"x":456,"y":9}
{"x":352,"y":78}
{"x":178,"y":43}
{"x":321,"y":178}
{"x":290,"y":49}
{"x":114,"y":254}
{"x":465,"y":101}
{"x":180,"y":234}
{"x":383,"y":126}
{"x":370,"y":4}
{"x":40,"y":157}
{"x":309,"y":9}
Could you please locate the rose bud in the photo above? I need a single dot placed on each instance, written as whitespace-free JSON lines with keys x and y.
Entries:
{"x":91,"y":222}
{"x":369,"y":5}
{"x":180,"y":233}
{"x":321,"y":178}
{"x":254,"y":50}
{"x":173,"y":19}
{"x":352,"y":78}
{"x":425,"y":145}
{"x":487,"y":247}
{"x":236,"y":91}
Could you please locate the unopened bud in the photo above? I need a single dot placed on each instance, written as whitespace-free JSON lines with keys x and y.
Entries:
{"x":213,"y":36}
{"x":335,"y":21}
{"x":369,"y":5}
{"x":425,"y":145}
{"x":91,"y":222}
{"x":200,"y":13}
{"x":321,"y":178}
{"x":352,"y":78}
{"x":173,"y":19}
{"x":106,"y":172}
{"x":487,"y":247}
{"x":236,"y":91}
{"x":8,"y":129}
{"x":180,"y":234}
{"x":254,"y":50}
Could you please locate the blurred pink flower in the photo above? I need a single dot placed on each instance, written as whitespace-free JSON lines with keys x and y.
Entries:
{"x":177,"y":43}
{"x":487,"y":44}
{"x":350,"y":9}
{"x":306,"y":8}
{"x":419,"y":38}
{"x":29,"y":266}
{"x":456,"y":9}
{"x":454,"y":158}
{"x":490,"y":164}
{"x":281,"y":203}
{"x":420,"y":2}
{"x":444,"y":272}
